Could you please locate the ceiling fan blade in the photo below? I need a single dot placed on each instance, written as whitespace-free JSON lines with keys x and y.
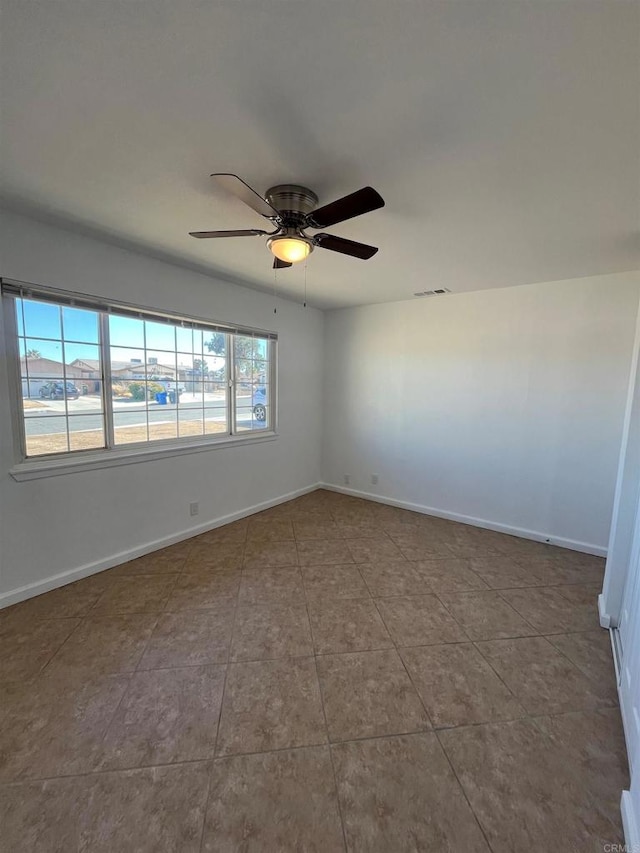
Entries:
{"x":362,"y":201}
{"x":249,"y":232}
{"x":280,"y":265}
{"x":237,"y":187}
{"x":345,"y":247}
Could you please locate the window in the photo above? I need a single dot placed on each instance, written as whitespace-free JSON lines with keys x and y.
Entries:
{"x":103,"y":377}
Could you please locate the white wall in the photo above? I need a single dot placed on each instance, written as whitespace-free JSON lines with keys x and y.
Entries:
{"x":620,"y":599}
{"x":503,"y":406}
{"x":625,"y":505}
{"x":79,"y":521}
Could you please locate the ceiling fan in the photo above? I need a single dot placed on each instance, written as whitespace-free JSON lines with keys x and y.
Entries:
{"x":292,"y":209}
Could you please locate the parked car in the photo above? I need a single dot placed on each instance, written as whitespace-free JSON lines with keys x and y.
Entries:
{"x":59,"y":390}
{"x":259,"y":403}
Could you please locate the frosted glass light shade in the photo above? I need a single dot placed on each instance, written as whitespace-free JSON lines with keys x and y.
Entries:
{"x":289,"y":249}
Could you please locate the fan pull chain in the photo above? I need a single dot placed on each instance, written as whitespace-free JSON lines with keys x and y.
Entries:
{"x":275,"y":282}
{"x":304,"y":304}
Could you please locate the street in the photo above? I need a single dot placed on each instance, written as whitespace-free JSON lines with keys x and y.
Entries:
{"x":48,"y":420}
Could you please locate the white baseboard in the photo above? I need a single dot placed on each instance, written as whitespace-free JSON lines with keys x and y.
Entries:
{"x":523,"y":533}
{"x":604,"y":617}
{"x":630,"y":823}
{"x":55,"y":581}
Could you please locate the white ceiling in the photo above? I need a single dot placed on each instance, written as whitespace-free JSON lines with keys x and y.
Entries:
{"x":504,"y":136}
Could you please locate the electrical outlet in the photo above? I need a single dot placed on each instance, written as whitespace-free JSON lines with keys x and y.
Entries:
{"x":347,"y":479}
{"x":194,"y":508}
{"x":374,"y":479}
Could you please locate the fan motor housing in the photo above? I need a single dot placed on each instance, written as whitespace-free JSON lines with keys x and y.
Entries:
{"x":293,"y":201}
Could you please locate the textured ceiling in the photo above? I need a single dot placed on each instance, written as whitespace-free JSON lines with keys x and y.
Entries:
{"x":504,"y":136}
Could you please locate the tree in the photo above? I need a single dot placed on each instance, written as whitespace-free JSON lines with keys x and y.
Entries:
{"x":245,"y":349}
{"x":34,"y":353}
{"x":200,"y":366}
{"x":216,"y":344}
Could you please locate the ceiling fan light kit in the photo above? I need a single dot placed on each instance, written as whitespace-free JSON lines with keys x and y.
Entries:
{"x":290,"y":249}
{"x":291,"y":208}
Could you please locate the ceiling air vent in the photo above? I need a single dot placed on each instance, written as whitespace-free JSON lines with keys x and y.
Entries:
{"x":437,"y":292}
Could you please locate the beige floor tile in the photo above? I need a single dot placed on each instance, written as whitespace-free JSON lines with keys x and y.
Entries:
{"x":500,"y":572}
{"x":397,"y":527}
{"x":433,"y":550}
{"x":542,"y":678}
{"x":522,"y":791}
{"x":326,"y":582}
{"x":419,"y":620}
{"x":271,"y":705}
{"x":259,"y":555}
{"x":176,"y":552}
{"x":54,"y":726}
{"x":236,"y":531}
{"x":349,"y":625}
{"x":592,"y":744}
{"x":354,"y":515}
{"x":217,"y":552}
{"x":43,"y":817}
{"x":449,"y":575}
{"x":547,"y":554}
{"x":270,"y":530}
{"x":189,"y":638}
{"x":205,"y":590}
{"x":28,"y":645}
{"x":393,"y":577}
{"x":550,"y":612}
{"x":140,"y":681}
{"x":166,"y":716}
{"x":315,"y":552}
{"x":415,"y":536}
{"x":485,"y":615}
{"x":223,"y":555}
{"x":581,"y":593}
{"x":374,"y":778}
{"x":97,"y":582}
{"x":144,"y":566}
{"x":105,"y":644}
{"x":368,"y":694}
{"x":458,"y":687}
{"x":373,"y":550}
{"x":468,"y":545}
{"x":359,"y":530}
{"x":160,"y":809}
{"x":591,"y":653}
{"x":319,"y":516}
{"x":525,"y":548}
{"x":144,"y":594}
{"x":586,"y":562}
{"x":277,"y":801}
{"x":263,"y":632}
{"x":552,"y":569}
{"x":309,"y":529}
{"x":272,"y":586}
{"x":281,"y":511}
{"x":69,"y":601}
{"x":168,"y":561}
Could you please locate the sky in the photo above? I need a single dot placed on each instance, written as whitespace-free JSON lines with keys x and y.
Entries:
{"x":41,"y":327}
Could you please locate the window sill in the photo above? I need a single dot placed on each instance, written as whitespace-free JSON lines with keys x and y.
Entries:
{"x":35,"y":469}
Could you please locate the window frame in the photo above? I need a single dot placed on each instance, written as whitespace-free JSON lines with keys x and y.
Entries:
{"x":61,"y":462}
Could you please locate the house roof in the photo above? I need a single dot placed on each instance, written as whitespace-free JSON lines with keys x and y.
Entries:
{"x":41,"y":363}
{"x":89,"y":363}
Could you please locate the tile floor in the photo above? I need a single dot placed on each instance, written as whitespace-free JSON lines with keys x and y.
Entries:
{"x":329,"y":674}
